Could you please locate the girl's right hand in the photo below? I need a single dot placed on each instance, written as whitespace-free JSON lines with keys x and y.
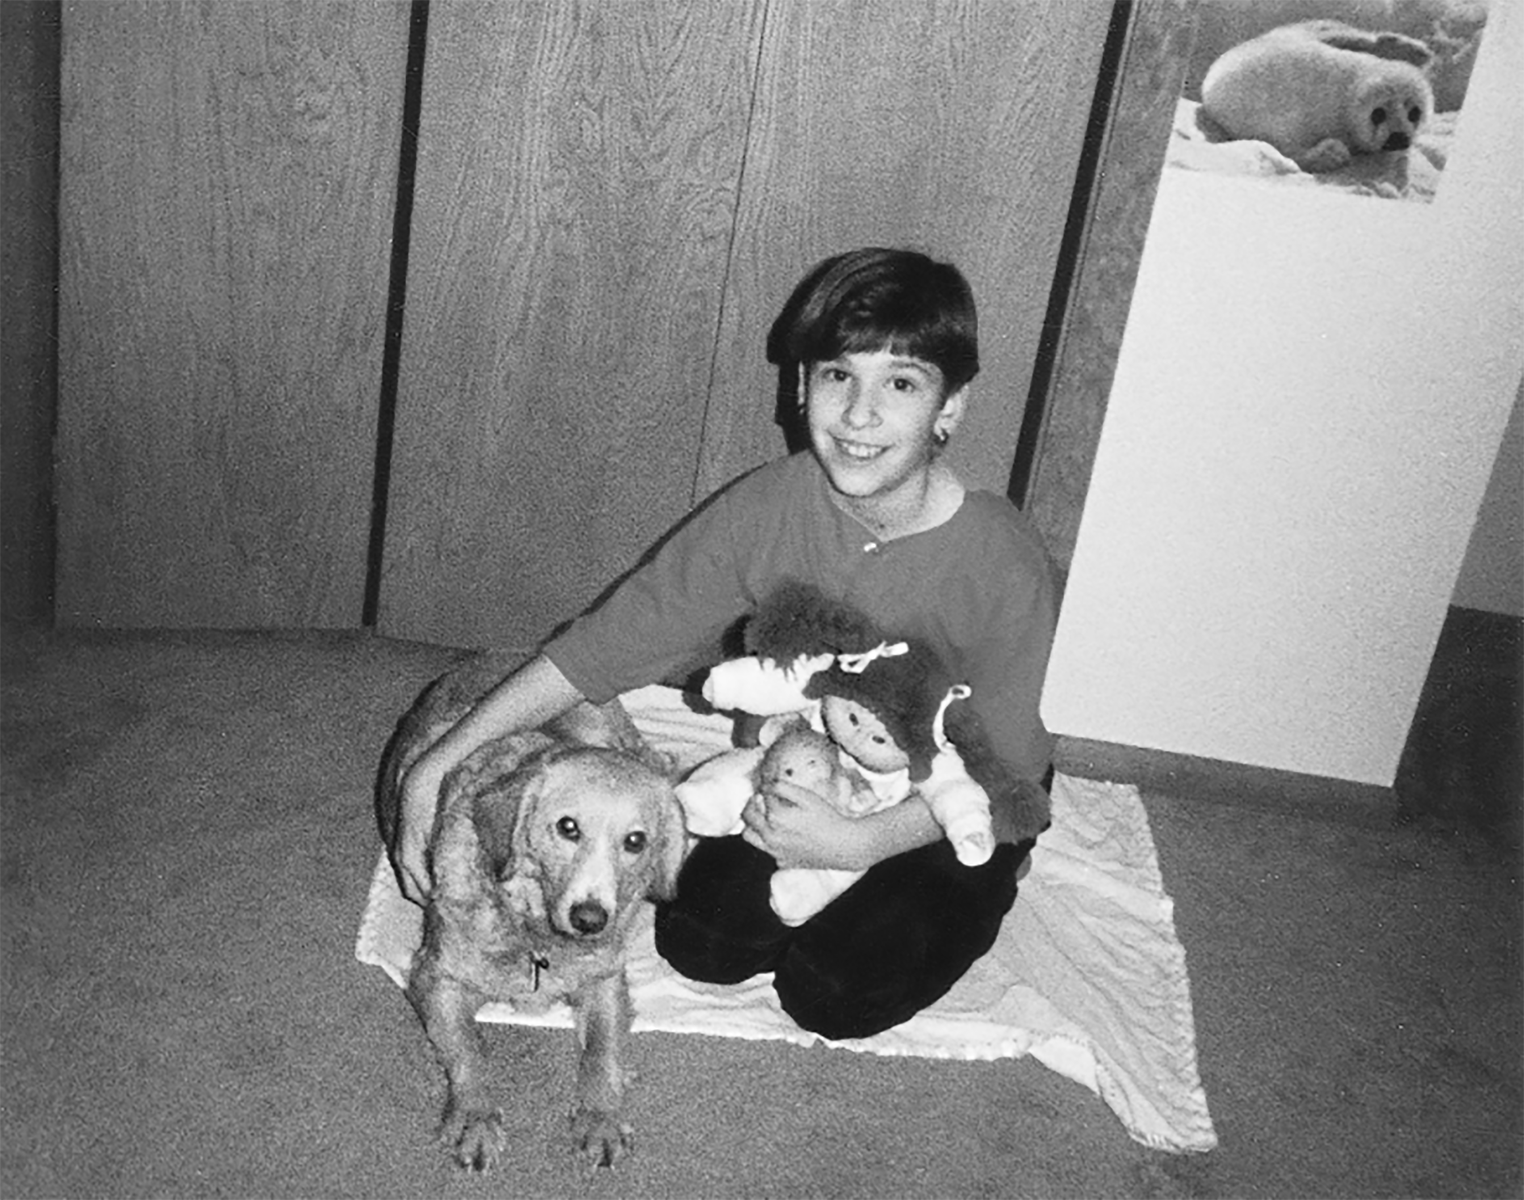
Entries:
{"x":526,"y":699}
{"x":415,"y":823}
{"x":801,"y":828}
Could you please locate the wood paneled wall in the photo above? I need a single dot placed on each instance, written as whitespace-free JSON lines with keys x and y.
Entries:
{"x":613,"y":205}
{"x":577,"y":173}
{"x":949,"y":126}
{"x":228,"y":180}
{"x":1151,"y":69}
{"x":28,"y":330}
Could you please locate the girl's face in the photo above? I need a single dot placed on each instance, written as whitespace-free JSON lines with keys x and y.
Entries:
{"x":872,"y":417}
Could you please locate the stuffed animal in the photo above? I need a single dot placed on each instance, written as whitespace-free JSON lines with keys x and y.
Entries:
{"x":880,"y":707}
{"x":1321,"y":92}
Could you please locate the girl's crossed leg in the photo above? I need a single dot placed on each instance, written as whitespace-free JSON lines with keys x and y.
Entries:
{"x":891,"y":945}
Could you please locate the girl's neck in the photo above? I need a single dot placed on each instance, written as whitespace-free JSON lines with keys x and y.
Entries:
{"x":912,"y":510}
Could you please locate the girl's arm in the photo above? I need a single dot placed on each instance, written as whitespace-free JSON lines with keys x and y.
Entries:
{"x":801,"y":829}
{"x":526,"y":699}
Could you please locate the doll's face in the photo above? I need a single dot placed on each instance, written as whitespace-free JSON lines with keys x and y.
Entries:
{"x":801,"y":756}
{"x":862,"y":735}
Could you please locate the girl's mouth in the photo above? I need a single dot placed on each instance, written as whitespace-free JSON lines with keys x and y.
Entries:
{"x":858,"y":451}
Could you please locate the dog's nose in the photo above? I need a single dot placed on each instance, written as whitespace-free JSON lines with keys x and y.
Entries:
{"x":1398,"y":141}
{"x":588,"y":916}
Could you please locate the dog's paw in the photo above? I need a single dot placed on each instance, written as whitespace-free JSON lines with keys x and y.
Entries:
{"x":474,"y":1137}
{"x":600,"y":1137}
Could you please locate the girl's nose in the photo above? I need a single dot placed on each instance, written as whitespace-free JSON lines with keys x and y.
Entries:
{"x":860,"y":410}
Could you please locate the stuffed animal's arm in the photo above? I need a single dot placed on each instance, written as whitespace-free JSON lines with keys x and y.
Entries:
{"x":761,"y":686}
{"x":961,"y":807}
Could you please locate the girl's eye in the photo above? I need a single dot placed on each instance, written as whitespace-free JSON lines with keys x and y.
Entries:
{"x":569,"y":829}
{"x":903,"y":384}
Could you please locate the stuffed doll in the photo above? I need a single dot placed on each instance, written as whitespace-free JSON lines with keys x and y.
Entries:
{"x":809,"y":758}
{"x":877,"y":711}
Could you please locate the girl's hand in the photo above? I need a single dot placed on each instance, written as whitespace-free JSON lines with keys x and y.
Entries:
{"x":415,"y":822}
{"x":800,"y":828}
{"x":526,"y":699}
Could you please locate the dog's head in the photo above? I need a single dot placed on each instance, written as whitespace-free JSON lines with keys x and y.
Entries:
{"x":584,"y":833}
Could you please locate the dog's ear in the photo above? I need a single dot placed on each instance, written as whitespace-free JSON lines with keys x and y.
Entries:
{"x":660,"y":761}
{"x":496,"y":813}
{"x":501,"y":806}
{"x":670,"y":849}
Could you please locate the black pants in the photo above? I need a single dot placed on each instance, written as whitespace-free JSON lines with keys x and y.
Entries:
{"x":889,"y":946}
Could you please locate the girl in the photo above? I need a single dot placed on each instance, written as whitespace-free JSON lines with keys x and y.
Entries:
{"x":884,"y":343}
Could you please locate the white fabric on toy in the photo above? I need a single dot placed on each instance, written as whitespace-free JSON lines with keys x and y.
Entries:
{"x":958,"y":691}
{"x":762,"y":686}
{"x":1087,"y":974}
{"x":856,"y":664}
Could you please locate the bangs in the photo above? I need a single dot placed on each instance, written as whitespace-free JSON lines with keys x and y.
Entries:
{"x":867,"y":332}
{"x":873,"y":300}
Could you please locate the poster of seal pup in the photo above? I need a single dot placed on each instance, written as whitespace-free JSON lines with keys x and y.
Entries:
{"x":1334,"y":94}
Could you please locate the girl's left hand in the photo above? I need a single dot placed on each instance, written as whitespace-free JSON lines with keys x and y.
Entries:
{"x":802,"y":829}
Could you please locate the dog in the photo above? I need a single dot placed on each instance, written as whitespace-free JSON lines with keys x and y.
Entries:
{"x":545,"y":847}
{"x":1321,"y":92}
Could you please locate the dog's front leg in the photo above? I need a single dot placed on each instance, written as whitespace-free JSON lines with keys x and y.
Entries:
{"x":603,"y":1020}
{"x":472,"y":1127}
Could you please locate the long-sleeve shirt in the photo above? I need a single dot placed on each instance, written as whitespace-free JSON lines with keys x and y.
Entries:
{"x":979,"y":588}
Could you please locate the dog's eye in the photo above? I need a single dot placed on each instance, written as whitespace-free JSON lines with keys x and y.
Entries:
{"x":1378,"y":116}
{"x":1415,"y":115}
{"x":569,"y":829}
{"x":635,"y":843}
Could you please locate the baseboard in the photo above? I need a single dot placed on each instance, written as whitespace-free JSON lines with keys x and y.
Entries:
{"x":1190,"y":777}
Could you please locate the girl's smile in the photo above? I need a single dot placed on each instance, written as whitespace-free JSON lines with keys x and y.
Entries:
{"x":857,"y":450}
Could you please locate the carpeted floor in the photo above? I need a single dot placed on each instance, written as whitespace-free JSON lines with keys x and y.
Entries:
{"x":186,"y":843}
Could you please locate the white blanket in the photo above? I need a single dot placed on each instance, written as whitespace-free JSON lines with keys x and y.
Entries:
{"x":1087,"y":974}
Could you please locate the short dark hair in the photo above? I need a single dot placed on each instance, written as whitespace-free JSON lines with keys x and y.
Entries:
{"x":875,"y":299}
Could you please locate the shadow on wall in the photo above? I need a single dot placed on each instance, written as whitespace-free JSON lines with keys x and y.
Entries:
{"x":1463,"y":764}
{"x":1282,"y":109}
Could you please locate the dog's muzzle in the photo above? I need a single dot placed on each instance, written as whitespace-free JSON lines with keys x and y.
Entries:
{"x":1397,"y":141}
